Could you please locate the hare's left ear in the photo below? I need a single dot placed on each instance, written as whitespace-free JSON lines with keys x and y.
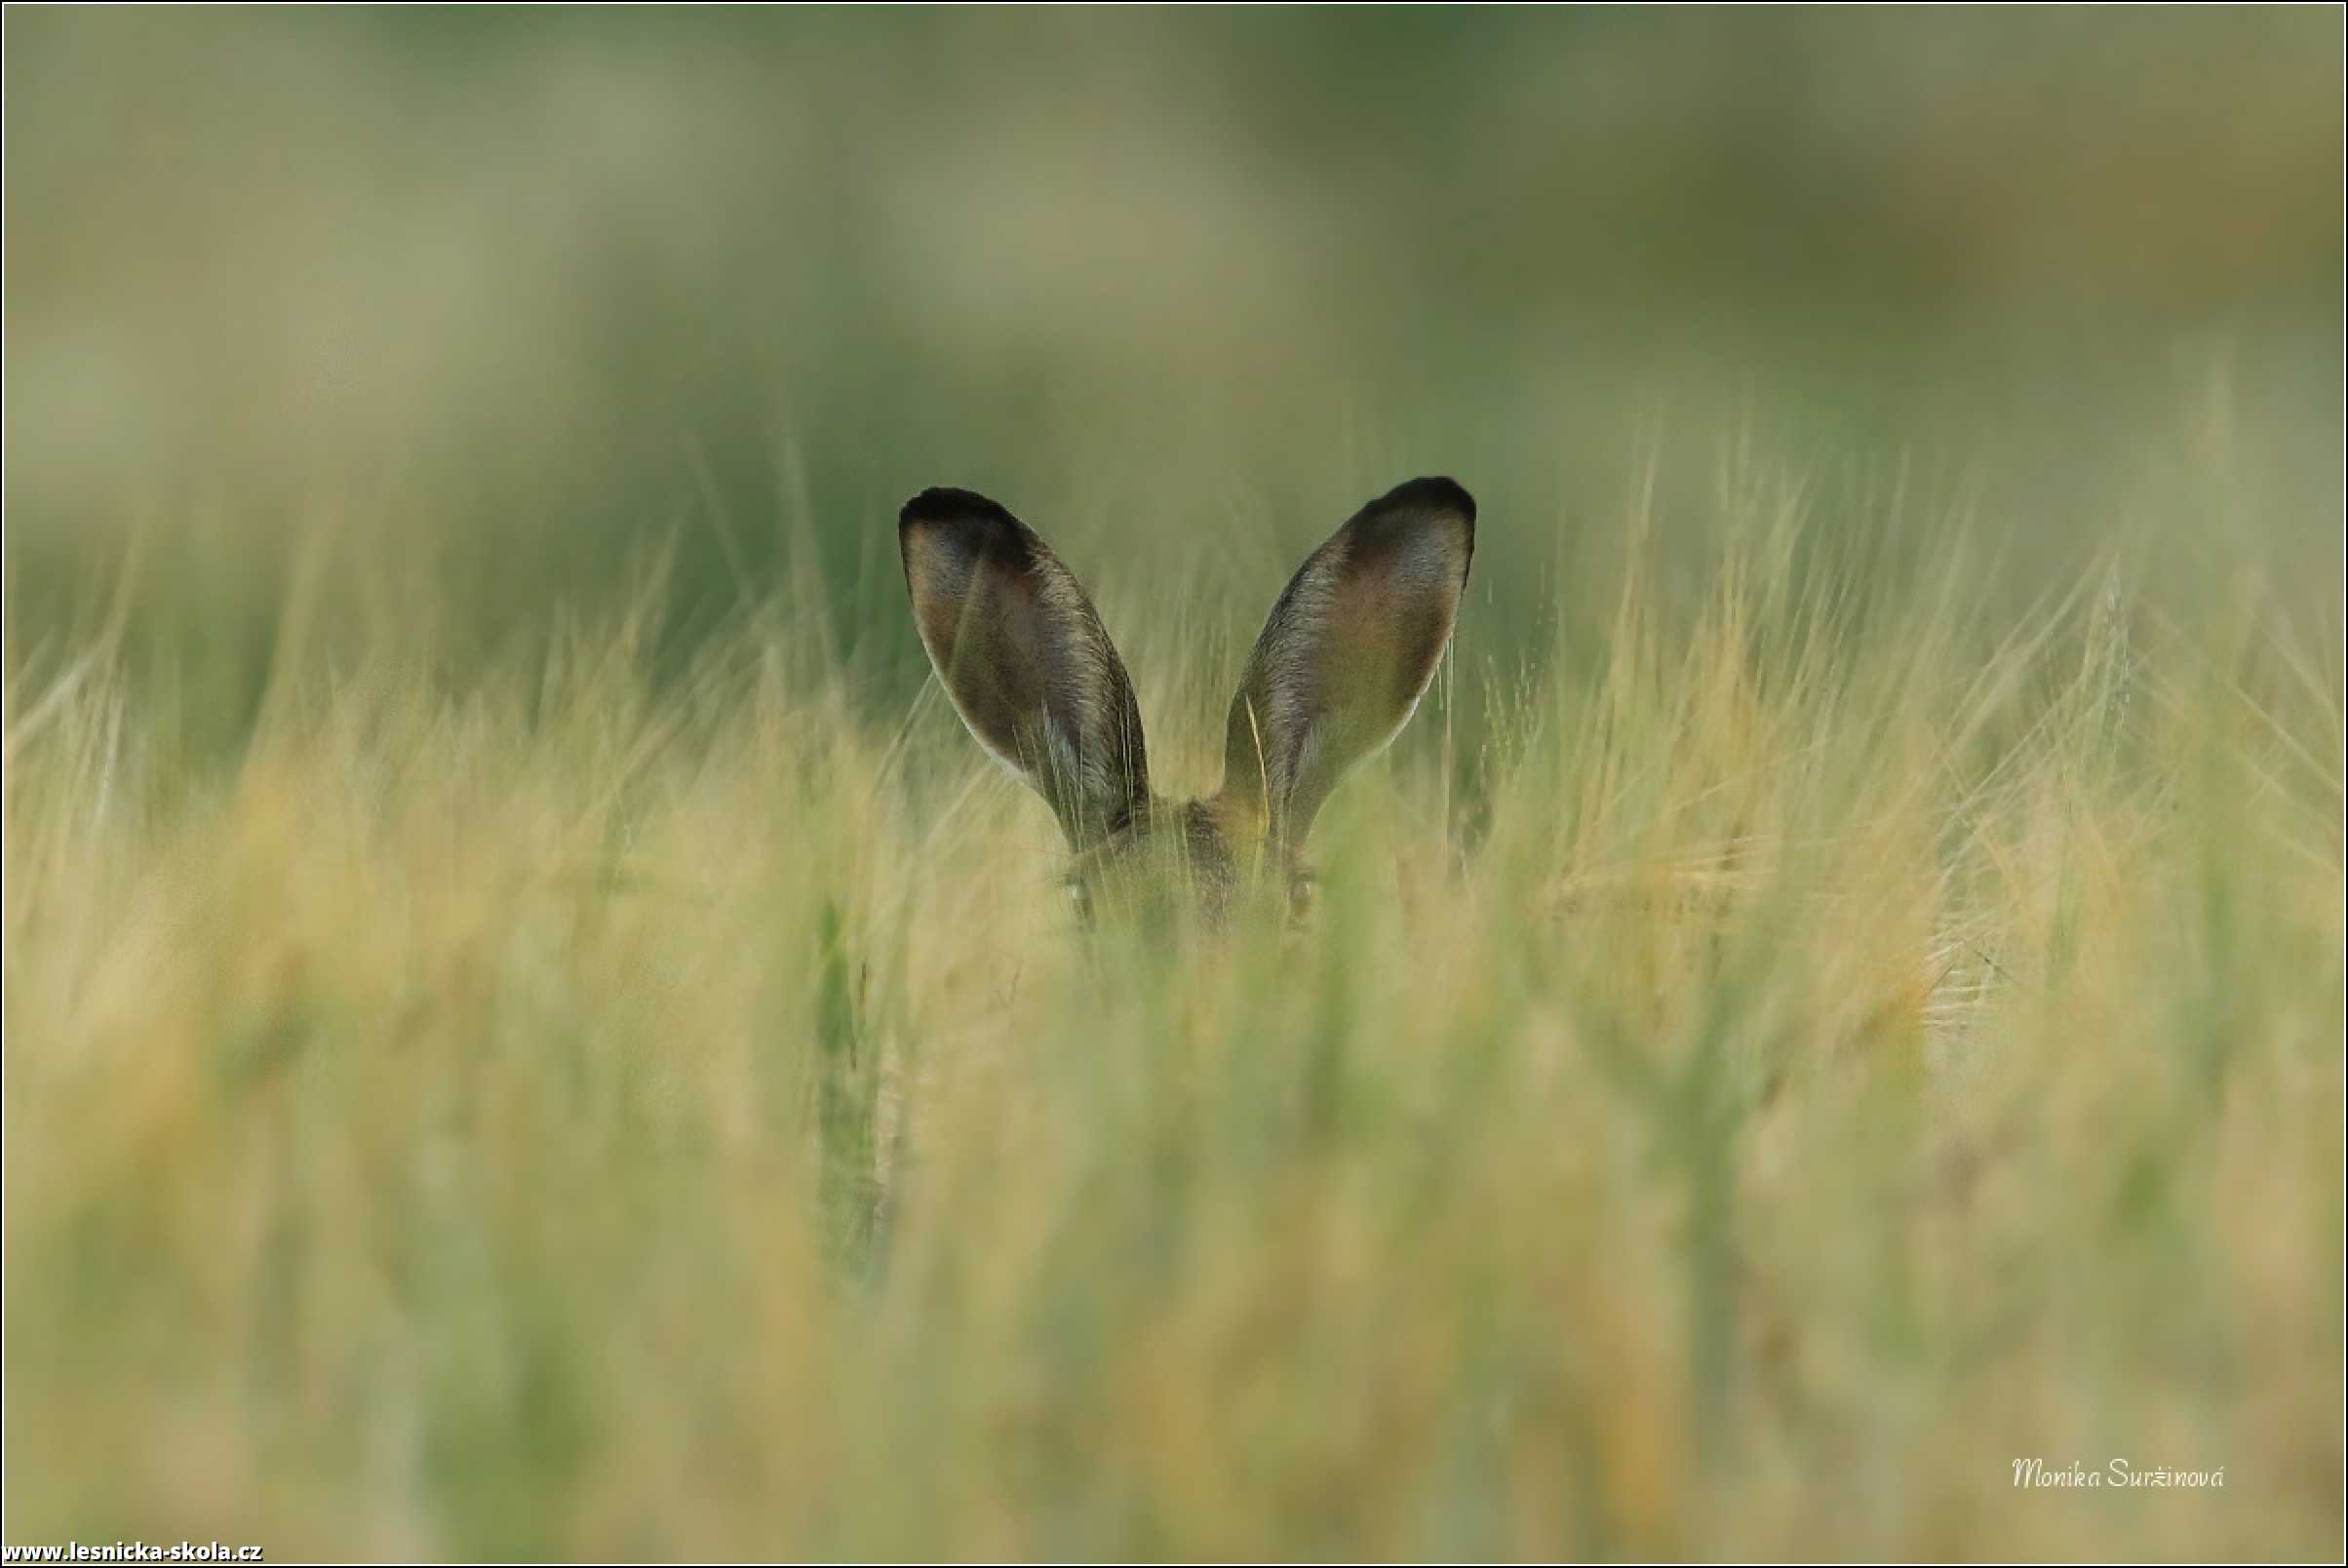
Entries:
{"x":1348,"y":653}
{"x":1021,"y":652}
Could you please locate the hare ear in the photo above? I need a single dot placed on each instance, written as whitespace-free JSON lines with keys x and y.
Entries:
{"x":1348,"y":653}
{"x":1023,"y":655}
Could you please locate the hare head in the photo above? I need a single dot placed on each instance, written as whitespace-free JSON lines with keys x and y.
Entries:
{"x":1341,"y":664}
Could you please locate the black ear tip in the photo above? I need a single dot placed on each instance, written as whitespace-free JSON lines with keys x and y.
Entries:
{"x":1435,"y":493}
{"x":945,"y":505}
{"x":968,"y":519}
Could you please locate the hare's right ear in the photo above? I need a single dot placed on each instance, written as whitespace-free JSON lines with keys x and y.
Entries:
{"x":1022,"y":653}
{"x":1348,"y":653}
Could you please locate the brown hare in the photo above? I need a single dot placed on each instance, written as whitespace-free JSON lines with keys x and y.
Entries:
{"x":1349,"y":650}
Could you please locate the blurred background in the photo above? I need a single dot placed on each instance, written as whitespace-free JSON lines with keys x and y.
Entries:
{"x":476,"y":310}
